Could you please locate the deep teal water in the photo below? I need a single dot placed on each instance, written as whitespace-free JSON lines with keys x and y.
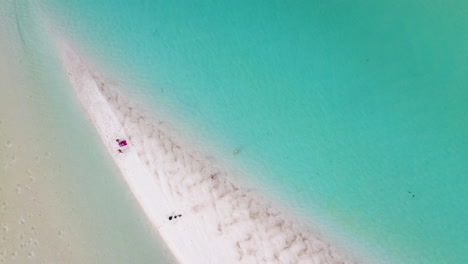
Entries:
{"x":340,"y":107}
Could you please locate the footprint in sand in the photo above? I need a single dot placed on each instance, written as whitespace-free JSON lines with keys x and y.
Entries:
{"x":31,"y":242}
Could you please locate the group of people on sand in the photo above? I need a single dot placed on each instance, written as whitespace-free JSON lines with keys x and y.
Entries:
{"x":174,"y":217}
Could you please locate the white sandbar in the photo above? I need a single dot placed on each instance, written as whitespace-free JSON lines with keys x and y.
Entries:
{"x":221,"y":222}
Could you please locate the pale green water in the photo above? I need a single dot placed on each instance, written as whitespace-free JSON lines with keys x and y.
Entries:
{"x":340,"y":107}
{"x":77,"y":191}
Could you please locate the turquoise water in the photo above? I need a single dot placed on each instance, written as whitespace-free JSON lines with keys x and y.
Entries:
{"x":341,"y":108}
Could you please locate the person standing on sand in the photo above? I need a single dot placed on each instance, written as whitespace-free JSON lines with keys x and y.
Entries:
{"x":118,"y":141}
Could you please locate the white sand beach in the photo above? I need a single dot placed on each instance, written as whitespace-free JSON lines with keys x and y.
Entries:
{"x":220,"y":221}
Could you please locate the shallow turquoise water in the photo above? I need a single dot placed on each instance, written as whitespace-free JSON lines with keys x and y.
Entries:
{"x":342,"y":108}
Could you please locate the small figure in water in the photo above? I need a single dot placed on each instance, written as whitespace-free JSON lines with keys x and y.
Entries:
{"x":118,"y":140}
{"x":120,"y":151}
{"x":236,"y":152}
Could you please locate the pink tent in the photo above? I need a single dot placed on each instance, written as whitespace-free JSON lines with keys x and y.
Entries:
{"x":123,"y":143}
